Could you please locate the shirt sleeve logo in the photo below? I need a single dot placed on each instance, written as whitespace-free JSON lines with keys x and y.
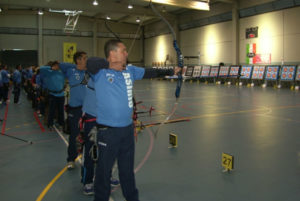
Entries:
{"x":128,"y":83}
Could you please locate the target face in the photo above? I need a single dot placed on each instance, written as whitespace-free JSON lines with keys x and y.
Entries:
{"x":196,"y":72}
{"x":246,"y":72}
{"x":258,"y":72}
{"x":214,"y":71}
{"x":234,"y":71}
{"x":272,"y":72}
{"x":298,"y":74}
{"x":205,"y":71}
{"x":288,"y":73}
{"x":224,"y":70}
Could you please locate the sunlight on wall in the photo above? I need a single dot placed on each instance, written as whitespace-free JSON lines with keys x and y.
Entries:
{"x":266,"y":25}
{"x":265,"y":41}
{"x":211,"y":52}
{"x":161,"y":48}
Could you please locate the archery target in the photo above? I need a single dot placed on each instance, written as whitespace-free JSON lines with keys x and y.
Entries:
{"x":196,"y":72}
{"x":272,"y":72}
{"x":246,"y":72}
{"x":258,"y":72}
{"x":298,"y":74}
{"x":189,"y":71}
{"x":223,"y":71}
{"x":288,"y":73}
{"x":214,"y":71}
{"x":205,"y":71}
{"x":234,"y":71}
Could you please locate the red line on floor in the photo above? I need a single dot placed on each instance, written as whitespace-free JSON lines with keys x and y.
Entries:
{"x":39,"y":122}
{"x":5,"y":116}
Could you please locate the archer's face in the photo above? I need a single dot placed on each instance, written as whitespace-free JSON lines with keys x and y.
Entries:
{"x":55,"y":67}
{"x":120,"y":54}
{"x":82,"y":60}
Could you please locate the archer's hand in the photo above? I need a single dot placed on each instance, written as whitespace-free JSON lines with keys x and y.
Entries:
{"x":177,"y":70}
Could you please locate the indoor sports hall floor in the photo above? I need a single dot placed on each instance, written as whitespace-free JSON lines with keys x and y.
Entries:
{"x":258,"y":126}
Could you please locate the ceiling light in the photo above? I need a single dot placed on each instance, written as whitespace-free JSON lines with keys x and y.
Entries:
{"x":138,"y":20}
{"x":130,"y":6}
{"x":41,"y":12}
{"x":95,"y":3}
{"x":108,"y":18}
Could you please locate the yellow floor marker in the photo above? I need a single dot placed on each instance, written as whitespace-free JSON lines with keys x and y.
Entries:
{"x":227,"y":162}
{"x":173,"y":140}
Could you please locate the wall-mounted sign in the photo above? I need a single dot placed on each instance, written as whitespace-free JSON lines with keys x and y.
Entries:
{"x":251,"y":32}
{"x":69,"y":50}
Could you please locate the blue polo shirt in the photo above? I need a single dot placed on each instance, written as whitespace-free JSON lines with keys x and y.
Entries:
{"x":16,"y":77}
{"x":114,"y":104}
{"x":54,"y":79}
{"x":89,"y":102}
{"x":5,"y":78}
{"x":29,"y":73}
{"x":75,"y":76}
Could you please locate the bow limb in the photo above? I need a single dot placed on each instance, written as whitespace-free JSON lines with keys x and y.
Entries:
{"x":180,"y":64}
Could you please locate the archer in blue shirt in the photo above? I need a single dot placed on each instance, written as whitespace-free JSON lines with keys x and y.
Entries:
{"x":17,"y":83}
{"x":88,"y":122}
{"x":5,"y":81}
{"x":75,"y":73}
{"x":55,"y":82}
{"x":114,"y":108}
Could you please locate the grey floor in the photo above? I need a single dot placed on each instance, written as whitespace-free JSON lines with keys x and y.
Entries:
{"x":258,"y":126}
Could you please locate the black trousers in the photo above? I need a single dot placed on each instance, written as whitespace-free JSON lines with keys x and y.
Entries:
{"x":5,"y":91}
{"x":17,"y":91}
{"x":74,"y":115}
{"x":115,"y":144}
{"x":56,"y":103}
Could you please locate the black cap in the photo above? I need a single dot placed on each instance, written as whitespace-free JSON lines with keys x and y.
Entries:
{"x":94,"y":64}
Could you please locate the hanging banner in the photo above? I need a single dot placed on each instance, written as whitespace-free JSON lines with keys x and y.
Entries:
{"x":251,"y":52}
{"x":69,"y":50}
{"x":263,"y":58}
{"x":252,"y":57}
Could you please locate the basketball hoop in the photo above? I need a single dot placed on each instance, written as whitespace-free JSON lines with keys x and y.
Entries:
{"x":71,"y":21}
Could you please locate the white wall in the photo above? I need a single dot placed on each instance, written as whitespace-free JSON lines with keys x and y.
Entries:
{"x":278,"y":35}
{"x":157,"y":49}
{"x":213,"y":42}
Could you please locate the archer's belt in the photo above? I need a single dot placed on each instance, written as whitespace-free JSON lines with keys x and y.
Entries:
{"x":102,"y":127}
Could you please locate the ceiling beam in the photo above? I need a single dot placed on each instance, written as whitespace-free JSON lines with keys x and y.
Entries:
{"x":124,"y":18}
{"x":225,"y":1}
{"x":190,"y":4}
